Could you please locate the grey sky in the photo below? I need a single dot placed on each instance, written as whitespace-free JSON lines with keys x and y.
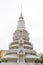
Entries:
{"x":33,"y":15}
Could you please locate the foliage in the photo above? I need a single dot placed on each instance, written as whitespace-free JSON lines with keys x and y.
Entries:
{"x":41,"y":58}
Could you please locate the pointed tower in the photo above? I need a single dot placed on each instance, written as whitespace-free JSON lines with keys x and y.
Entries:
{"x":20,"y":50}
{"x":21,"y":23}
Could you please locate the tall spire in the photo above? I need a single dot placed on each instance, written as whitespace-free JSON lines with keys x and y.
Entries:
{"x":21,"y":22}
{"x":21,"y":16}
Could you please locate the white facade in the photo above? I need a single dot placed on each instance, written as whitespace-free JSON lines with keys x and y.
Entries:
{"x":20,"y":50}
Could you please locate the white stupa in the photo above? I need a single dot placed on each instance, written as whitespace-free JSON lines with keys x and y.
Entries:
{"x":20,"y":50}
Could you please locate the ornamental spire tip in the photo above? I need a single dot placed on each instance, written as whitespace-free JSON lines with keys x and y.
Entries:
{"x":21,"y":16}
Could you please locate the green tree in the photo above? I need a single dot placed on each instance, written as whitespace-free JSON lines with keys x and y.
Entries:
{"x":41,"y":58}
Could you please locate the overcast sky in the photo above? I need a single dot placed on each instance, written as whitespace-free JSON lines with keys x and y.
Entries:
{"x":33,"y":15}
